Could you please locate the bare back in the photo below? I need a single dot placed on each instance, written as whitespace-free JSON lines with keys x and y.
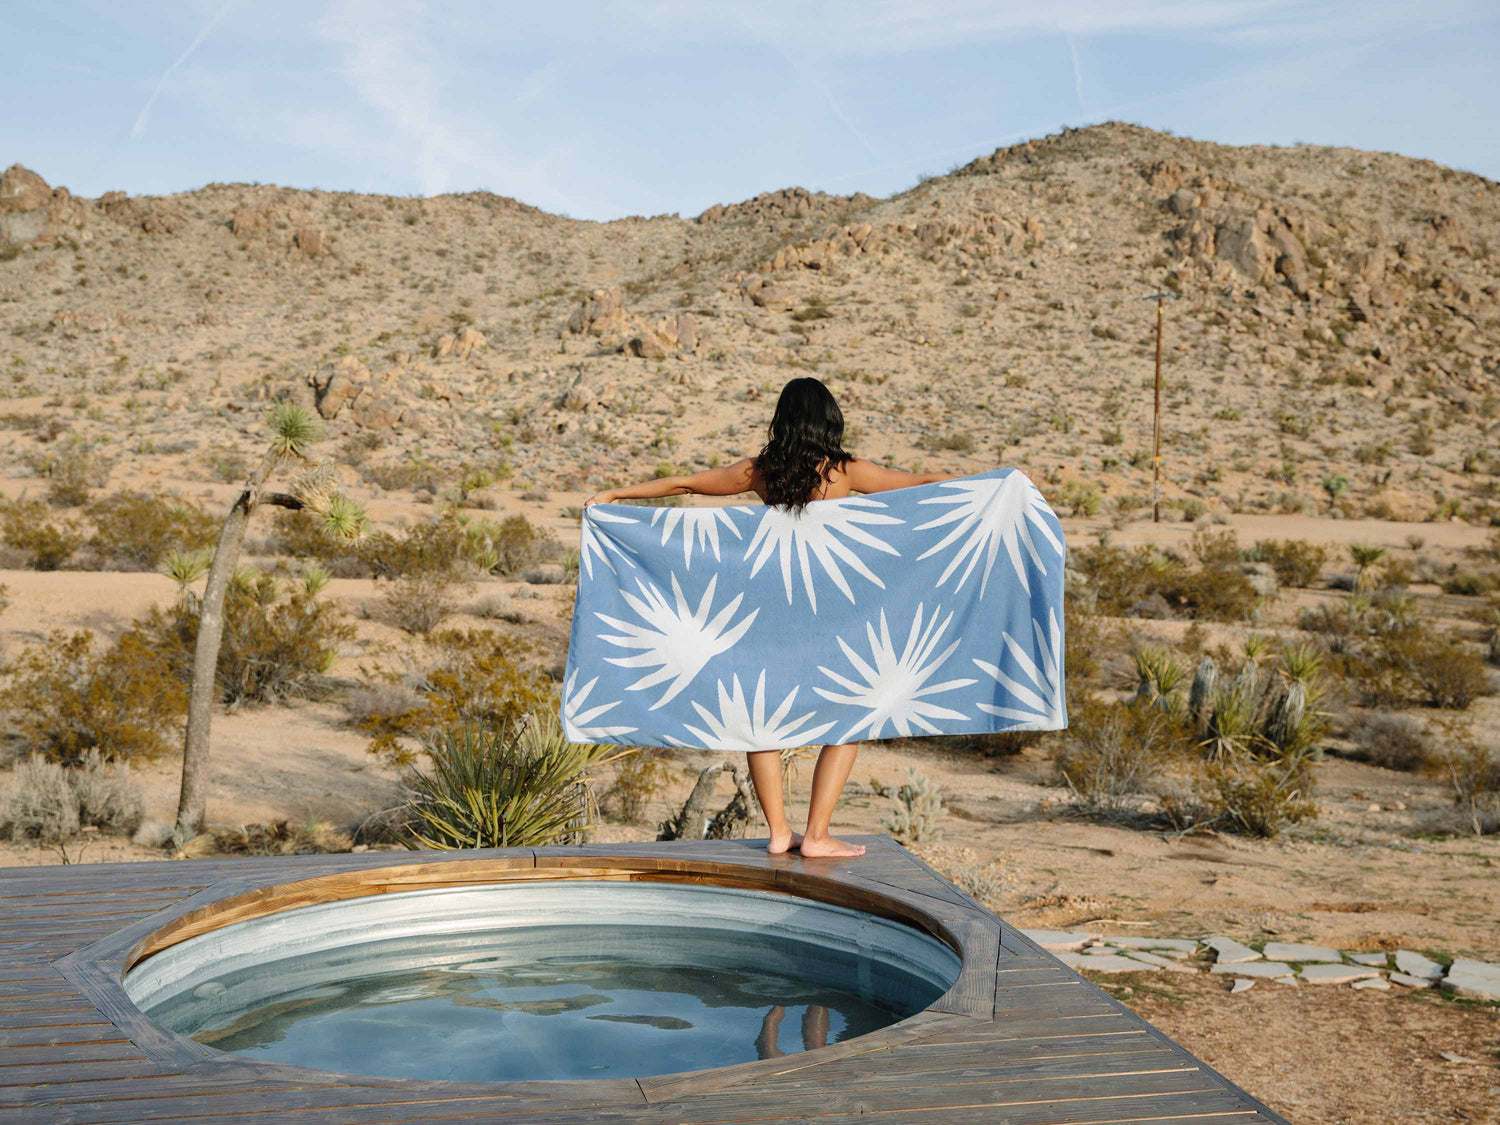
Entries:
{"x":837,"y":483}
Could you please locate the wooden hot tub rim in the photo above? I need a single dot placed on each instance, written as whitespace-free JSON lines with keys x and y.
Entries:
{"x":970,"y":930}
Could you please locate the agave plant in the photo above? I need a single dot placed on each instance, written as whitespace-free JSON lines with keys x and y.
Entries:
{"x":516,"y":784}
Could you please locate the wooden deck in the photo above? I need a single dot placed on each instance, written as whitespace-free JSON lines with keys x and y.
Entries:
{"x":1020,"y":1038}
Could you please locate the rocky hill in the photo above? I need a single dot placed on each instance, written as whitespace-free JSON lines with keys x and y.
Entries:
{"x":1337,"y":314}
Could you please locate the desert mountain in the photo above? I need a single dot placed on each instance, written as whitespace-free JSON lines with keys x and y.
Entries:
{"x":1336,"y":312}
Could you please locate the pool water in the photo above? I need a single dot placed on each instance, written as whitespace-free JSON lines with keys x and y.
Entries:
{"x":543,"y":981}
{"x":588,"y":1006}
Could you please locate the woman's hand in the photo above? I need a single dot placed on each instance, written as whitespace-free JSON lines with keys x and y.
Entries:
{"x":605,"y":497}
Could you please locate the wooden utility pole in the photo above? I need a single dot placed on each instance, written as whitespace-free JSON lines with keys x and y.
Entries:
{"x":1160,"y":298}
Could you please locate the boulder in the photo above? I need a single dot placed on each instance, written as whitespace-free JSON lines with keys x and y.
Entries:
{"x":246,"y":221}
{"x":1242,"y":242}
{"x":774,"y":297}
{"x":310,"y":243}
{"x":378,"y":410}
{"x":30,"y":210}
{"x":687,"y":332}
{"x":335,"y":385}
{"x":646,"y":345}
{"x":469,"y":341}
{"x":1183,"y":201}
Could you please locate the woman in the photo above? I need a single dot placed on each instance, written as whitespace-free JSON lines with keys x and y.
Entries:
{"x":803,"y":462}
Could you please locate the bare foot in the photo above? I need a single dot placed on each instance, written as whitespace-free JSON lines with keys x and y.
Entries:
{"x":784,"y":841}
{"x":831,"y":846}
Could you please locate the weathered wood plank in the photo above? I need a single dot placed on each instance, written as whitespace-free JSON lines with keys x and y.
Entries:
{"x":52,"y":1072}
{"x":102,"y":1032}
{"x":64,"y":1054}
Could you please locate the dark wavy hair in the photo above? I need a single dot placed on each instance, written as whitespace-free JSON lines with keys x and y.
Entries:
{"x":806,"y":429}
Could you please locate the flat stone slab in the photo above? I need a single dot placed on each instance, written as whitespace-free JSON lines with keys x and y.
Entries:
{"x":1127,"y":941}
{"x":1477,"y":980}
{"x":1254,"y":968}
{"x":1291,"y":951}
{"x":1168,"y":963}
{"x":1241,"y":985}
{"x":1231,"y":951}
{"x":1061,"y":941}
{"x":1413,"y":982}
{"x":1337,"y":974}
{"x":1417,"y":965}
{"x":1109,"y":963}
{"x":1286,"y":980}
{"x":1379,"y":984}
{"x":1380,"y":959}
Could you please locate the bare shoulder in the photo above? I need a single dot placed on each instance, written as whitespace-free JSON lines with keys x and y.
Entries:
{"x":866,"y":476}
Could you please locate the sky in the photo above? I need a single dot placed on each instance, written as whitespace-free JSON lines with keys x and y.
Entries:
{"x":599,"y":110}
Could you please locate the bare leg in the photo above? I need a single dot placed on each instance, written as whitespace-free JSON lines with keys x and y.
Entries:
{"x":765,"y":775}
{"x":829,"y":775}
{"x":814,"y":1027}
{"x":770,"y":1025}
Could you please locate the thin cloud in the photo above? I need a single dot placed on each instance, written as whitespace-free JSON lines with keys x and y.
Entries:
{"x":144,"y":116}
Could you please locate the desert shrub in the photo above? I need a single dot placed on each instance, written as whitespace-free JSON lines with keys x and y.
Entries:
{"x":1471,"y":584}
{"x":1394,"y":742}
{"x":638,"y":778}
{"x":136,"y":530}
{"x":109,"y":798}
{"x":414,"y":473}
{"x":1473,"y":771}
{"x":278,"y":639}
{"x":40,"y":804}
{"x":1296,"y":561}
{"x":980,"y":883}
{"x":67,"y":697}
{"x":1214,"y":590}
{"x":1407,"y":663}
{"x":417,"y":603}
{"x":304,"y":535}
{"x":916,"y":808}
{"x":73,"y":467}
{"x":518,"y":783}
{"x":280,"y":837}
{"x":1112,"y":754}
{"x":29,"y":527}
{"x":1261,"y":798}
{"x":453,"y":544}
{"x":1005,"y":743}
{"x":474,"y":677}
{"x":1079,"y":499}
{"x":517,"y":543}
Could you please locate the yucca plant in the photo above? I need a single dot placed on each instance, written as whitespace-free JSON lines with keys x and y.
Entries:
{"x":1365,"y":556}
{"x":1157,"y":674}
{"x":515,"y":784}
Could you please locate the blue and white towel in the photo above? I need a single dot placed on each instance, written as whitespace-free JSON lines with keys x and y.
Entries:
{"x":934,"y":609}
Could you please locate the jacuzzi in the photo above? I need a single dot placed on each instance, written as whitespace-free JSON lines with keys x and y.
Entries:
{"x":543,"y":980}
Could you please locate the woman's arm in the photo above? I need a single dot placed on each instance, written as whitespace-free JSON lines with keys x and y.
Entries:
{"x":730,"y":480}
{"x":866,"y":476}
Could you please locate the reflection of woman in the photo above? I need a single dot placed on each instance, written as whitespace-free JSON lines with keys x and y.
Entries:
{"x":804,"y":461}
{"x":814,"y":1031}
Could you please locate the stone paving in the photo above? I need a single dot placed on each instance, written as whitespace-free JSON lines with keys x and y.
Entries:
{"x":1286,"y":963}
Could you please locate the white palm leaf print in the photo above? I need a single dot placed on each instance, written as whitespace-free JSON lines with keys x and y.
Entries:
{"x":894,"y":689}
{"x":1041,"y":699}
{"x":697,"y":524}
{"x":817,"y":529}
{"x":676,"y":640}
{"x":592,"y":543}
{"x":741,"y":727}
{"x":986,"y":514}
{"x":576,"y":718}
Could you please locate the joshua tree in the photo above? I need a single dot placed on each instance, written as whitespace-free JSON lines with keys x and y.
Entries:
{"x":1365,"y":556}
{"x":293,"y":431}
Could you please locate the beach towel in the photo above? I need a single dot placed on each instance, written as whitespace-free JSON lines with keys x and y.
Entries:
{"x":928,"y":610}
